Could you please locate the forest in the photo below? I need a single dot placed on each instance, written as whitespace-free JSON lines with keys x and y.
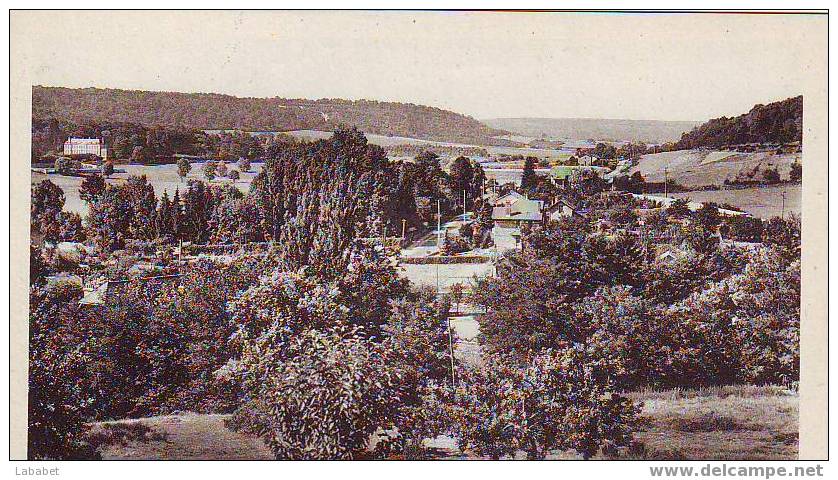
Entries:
{"x":201,"y":111}
{"x":779,"y":122}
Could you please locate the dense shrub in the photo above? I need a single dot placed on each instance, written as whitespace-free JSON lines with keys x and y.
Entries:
{"x":59,"y":386}
{"x":560,"y":400}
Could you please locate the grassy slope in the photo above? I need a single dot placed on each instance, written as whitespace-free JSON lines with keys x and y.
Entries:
{"x":740,"y":422}
{"x":719,"y":423}
{"x":695,"y":168}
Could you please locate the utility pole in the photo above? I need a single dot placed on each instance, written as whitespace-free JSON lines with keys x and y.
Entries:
{"x":404,"y":223}
{"x":451,"y":355}
{"x":665,"y":181}
{"x":464,"y":205}
{"x":783,"y":211}
{"x":438,"y":225}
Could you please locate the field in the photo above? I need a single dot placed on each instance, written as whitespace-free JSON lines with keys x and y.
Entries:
{"x":386,"y":141}
{"x":762,"y":202}
{"x":648,"y":131}
{"x":161,"y":177}
{"x":727,"y":423}
{"x":696,"y":168}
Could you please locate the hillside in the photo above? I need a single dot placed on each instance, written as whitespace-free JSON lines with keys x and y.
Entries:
{"x":214,"y":111}
{"x":778,"y":122}
{"x":648,"y":131}
{"x":699,"y":168}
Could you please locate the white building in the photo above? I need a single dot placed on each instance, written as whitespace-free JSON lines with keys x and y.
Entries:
{"x":83,"y":146}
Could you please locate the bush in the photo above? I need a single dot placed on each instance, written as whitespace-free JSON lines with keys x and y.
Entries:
{"x":320,"y":395}
{"x":560,"y":400}
{"x":59,"y":386}
{"x":796,"y":172}
{"x":771,"y":176}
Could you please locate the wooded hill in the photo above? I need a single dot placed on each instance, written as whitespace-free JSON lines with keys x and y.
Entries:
{"x":215,"y":111}
{"x":778,"y":122}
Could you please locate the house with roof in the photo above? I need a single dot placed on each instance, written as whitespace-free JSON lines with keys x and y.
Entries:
{"x":513,"y":210}
{"x":561,"y":209}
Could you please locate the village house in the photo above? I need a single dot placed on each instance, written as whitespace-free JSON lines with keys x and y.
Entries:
{"x":509,"y":213}
{"x":513,"y":210}
{"x":561,"y":209}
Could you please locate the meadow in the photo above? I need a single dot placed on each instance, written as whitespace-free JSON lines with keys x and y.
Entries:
{"x":721,"y":423}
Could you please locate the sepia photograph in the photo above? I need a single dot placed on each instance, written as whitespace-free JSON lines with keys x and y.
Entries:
{"x":418,"y":235}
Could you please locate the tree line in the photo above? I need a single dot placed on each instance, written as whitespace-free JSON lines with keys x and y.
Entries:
{"x":198,"y":111}
{"x":778,"y":122}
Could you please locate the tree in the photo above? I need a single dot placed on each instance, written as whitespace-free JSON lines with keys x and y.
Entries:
{"x":124,"y":211}
{"x":65,"y":165}
{"x":110,"y":218}
{"x":457,"y":291}
{"x":244,"y":164}
{"x":107,"y":169}
{"x":71,"y":227}
{"x":743,"y":228}
{"x":529,"y":179}
{"x":57,"y":376}
{"x":37,"y":266}
{"x":139,"y":154}
{"x":163,"y":219}
{"x":784,"y":233}
{"x":183,"y":167}
{"x":678,"y":209}
{"x":626,"y":329}
{"x":771,"y":176}
{"x":461,"y":175}
{"x":46,"y":206}
{"x":210,"y":170}
{"x":529,"y":302}
{"x":234,"y":175}
{"x":236,"y":220}
{"x":708,"y":216}
{"x":221,"y":169}
{"x":796,"y":172}
{"x":561,"y":400}
{"x":343,"y":361}
{"x":321,"y":398}
{"x":316,"y":199}
{"x":91,"y":188}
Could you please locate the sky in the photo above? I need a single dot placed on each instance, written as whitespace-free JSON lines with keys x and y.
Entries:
{"x":483,"y":64}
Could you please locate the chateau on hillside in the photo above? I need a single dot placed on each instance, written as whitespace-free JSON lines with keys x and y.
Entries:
{"x":82,"y":146}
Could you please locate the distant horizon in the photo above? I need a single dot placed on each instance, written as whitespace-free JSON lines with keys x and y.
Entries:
{"x":481,"y":119}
